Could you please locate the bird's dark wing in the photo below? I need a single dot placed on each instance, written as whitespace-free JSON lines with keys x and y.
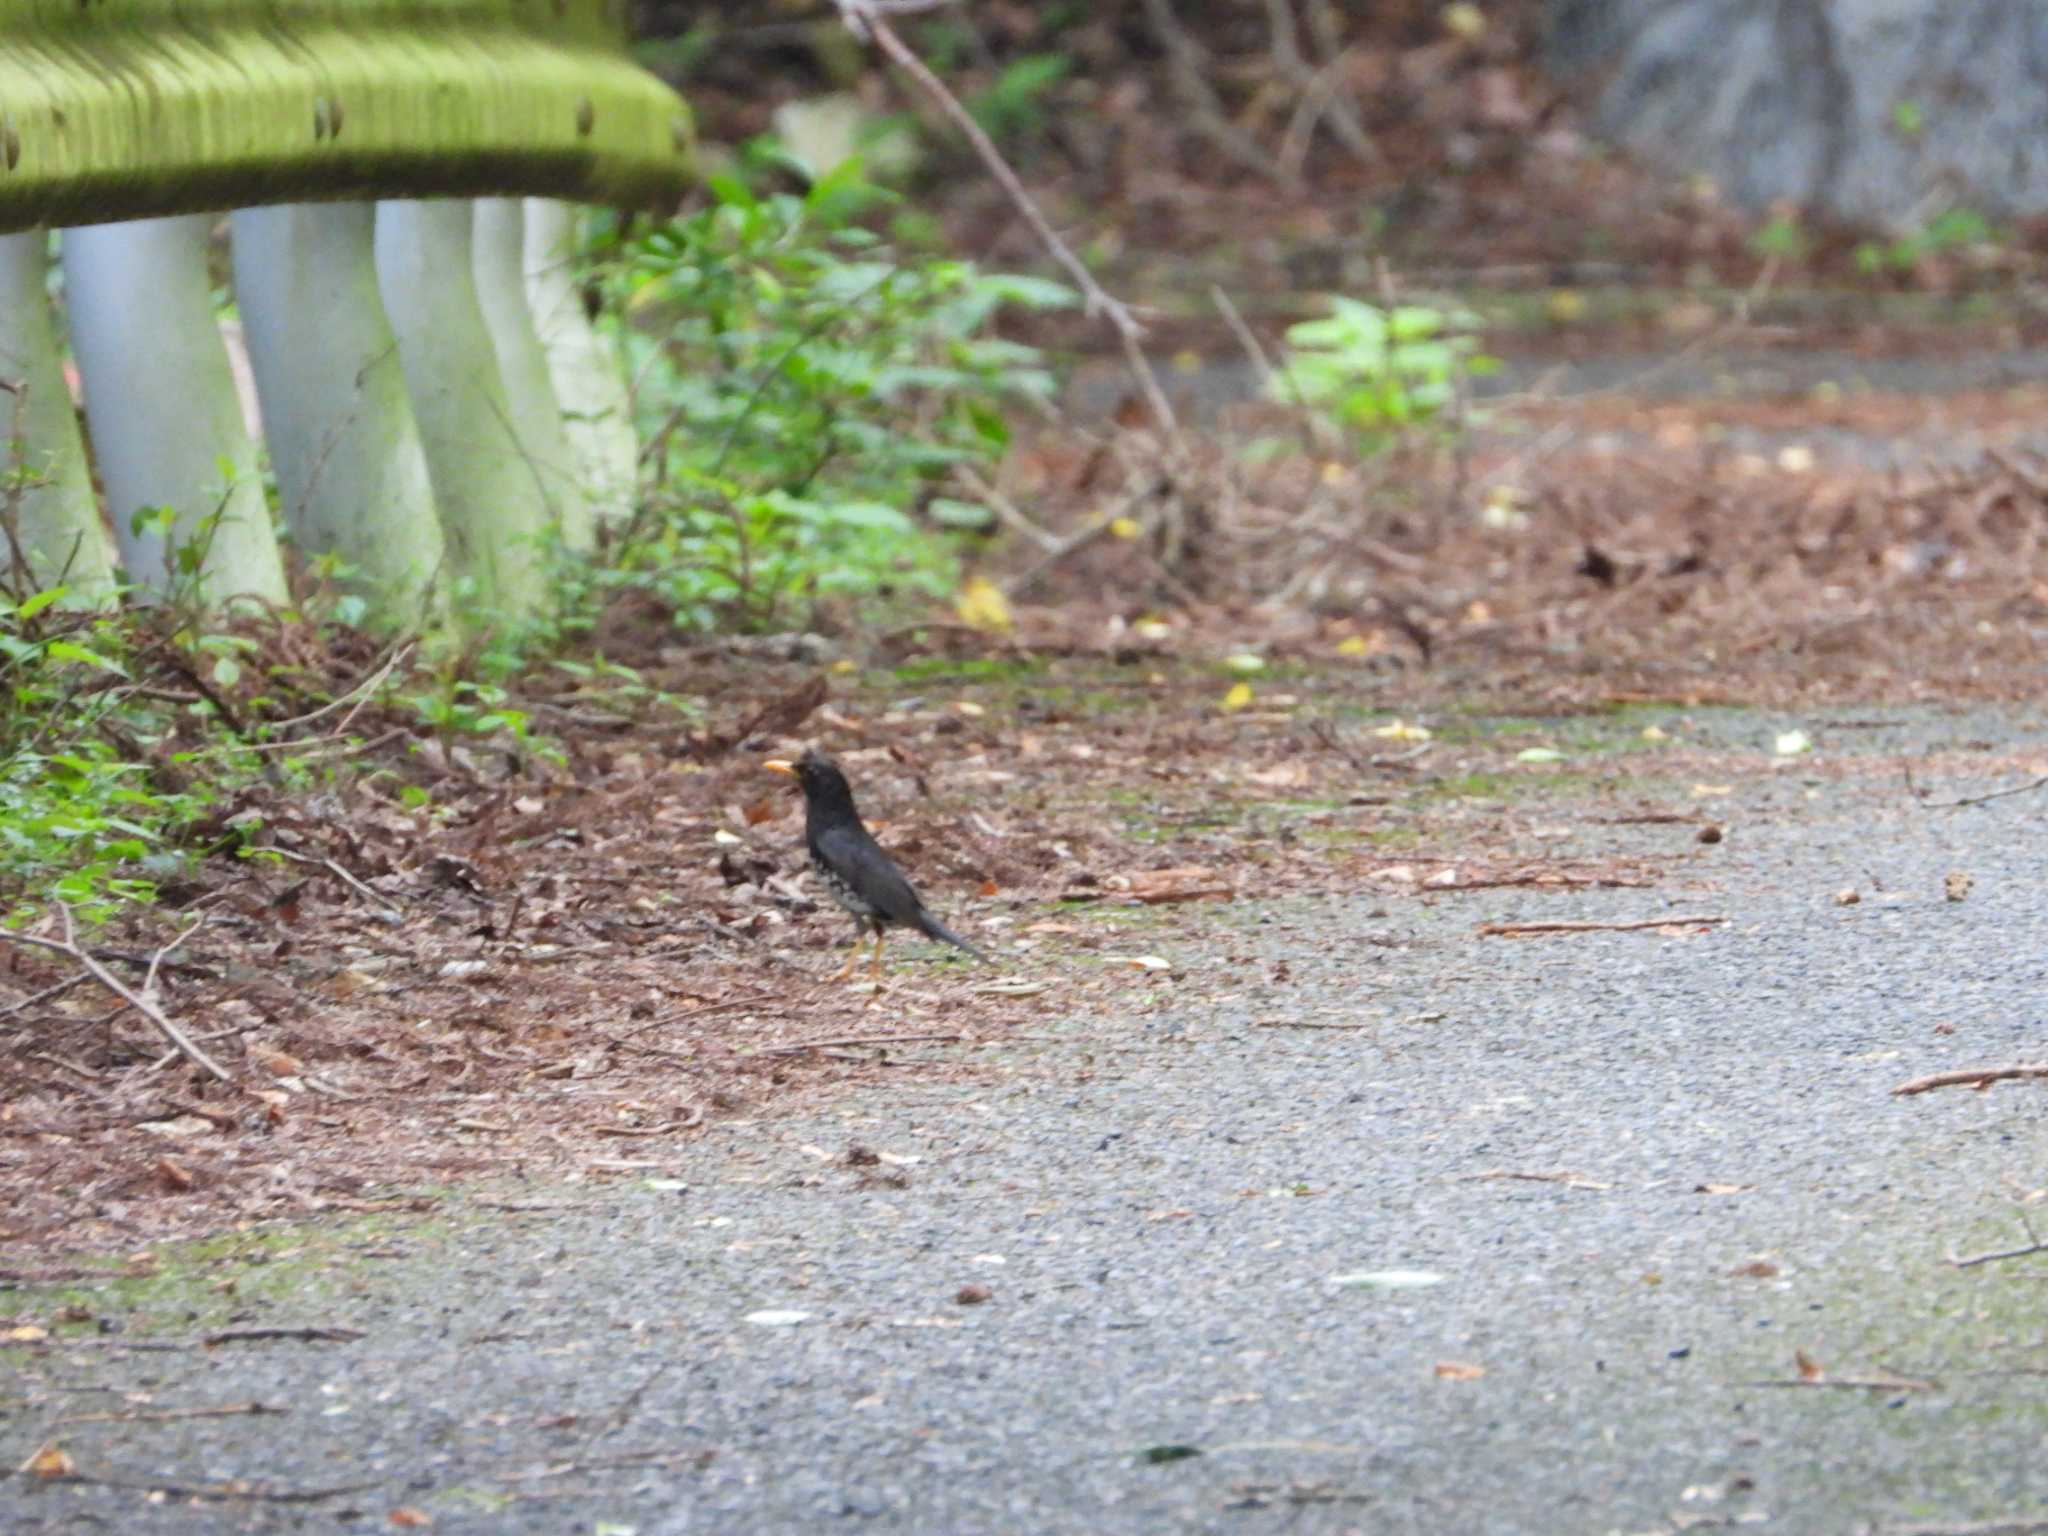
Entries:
{"x":859,"y":861}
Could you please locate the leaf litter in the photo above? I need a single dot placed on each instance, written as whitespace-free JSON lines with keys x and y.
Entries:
{"x":473,"y":960}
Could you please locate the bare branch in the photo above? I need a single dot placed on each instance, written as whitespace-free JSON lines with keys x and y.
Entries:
{"x":864,"y":19}
{"x":139,"y":1001}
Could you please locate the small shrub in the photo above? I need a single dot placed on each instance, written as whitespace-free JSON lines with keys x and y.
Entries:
{"x":806,"y":389}
{"x":1377,"y":373}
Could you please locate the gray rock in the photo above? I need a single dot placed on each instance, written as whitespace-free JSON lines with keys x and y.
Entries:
{"x":1884,"y":112}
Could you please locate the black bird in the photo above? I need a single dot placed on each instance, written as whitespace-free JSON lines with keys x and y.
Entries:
{"x":851,"y":865}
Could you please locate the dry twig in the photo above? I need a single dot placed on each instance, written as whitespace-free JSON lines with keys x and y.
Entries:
{"x":139,"y":1001}
{"x":165,"y":1416}
{"x":310,"y":1335}
{"x":814,"y":1045}
{"x":2034,"y":1246}
{"x":863,"y":18}
{"x":1852,"y":1383}
{"x":1681,"y":921}
{"x":1971,"y":1077}
{"x":1996,"y":794}
{"x":1564,"y":1176}
{"x":340,"y":874}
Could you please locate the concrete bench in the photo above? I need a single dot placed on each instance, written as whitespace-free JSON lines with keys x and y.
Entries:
{"x":434,"y":400}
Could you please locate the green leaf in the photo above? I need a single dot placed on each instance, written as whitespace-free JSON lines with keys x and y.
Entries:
{"x":37,"y":602}
{"x":731,"y":191}
{"x":67,"y":650}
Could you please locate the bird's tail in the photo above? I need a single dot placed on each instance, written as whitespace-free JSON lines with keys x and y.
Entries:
{"x":932,"y":928}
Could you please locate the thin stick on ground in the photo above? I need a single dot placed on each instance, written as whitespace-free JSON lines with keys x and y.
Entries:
{"x":238,"y":1492}
{"x":171,"y":1415}
{"x":864,"y":18}
{"x":1679,"y":921}
{"x":48,"y":994}
{"x":1006,"y":511}
{"x":1564,"y":1176}
{"x":1080,"y":539}
{"x":816,"y":1045}
{"x":1971,"y":1077}
{"x":1996,"y":794}
{"x":1970,"y":1262}
{"x":362,"y":690}
{"x":340,"y":874}
{"x":309,"y":1335}
{"x":70,"y":946}
{"x":1852,"y":1383}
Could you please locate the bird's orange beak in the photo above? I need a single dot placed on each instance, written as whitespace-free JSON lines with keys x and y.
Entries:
{"x":780,"y":765}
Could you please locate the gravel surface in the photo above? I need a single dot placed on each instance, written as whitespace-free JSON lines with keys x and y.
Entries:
{"x":1170,"y":1215}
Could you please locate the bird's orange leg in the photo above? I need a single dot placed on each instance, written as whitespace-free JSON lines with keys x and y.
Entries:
{"x":852,"y":957}
{"x":878,"y":955}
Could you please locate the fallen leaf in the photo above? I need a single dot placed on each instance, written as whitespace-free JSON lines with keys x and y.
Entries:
{"x":1191,"y":882}
{"x":1755,"y":1269}
{"x":1792,"y":743}
{"x":1722,"y":1189}
{"x":406,"y":1515}
{"x":1244,"y":663}
{"x":1539,"y":755}
{"x":1848,"y":896}
{"x":1141,"y":962}
{"x":27,"y":1333}
{"x":1238,"y":697}
{"x":1810,"y":1369}
{"x":1957,"y":885}
{"x":981,"y":604}
{"x":1459,"y":1370}
{"x":1130,"y":528}
{"x":175,"y":1174}
{"x":1401,"y":730}
{"x":1159,"y":1455}
{"x":972,"y":1294}
{"x":51,"y":1460}
{"x":775,"y":1317}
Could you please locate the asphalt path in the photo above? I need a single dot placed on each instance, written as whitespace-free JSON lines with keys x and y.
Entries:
{"x":1373,"y":1224}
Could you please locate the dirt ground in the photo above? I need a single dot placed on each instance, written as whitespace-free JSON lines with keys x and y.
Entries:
{"x":484,"y":962}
